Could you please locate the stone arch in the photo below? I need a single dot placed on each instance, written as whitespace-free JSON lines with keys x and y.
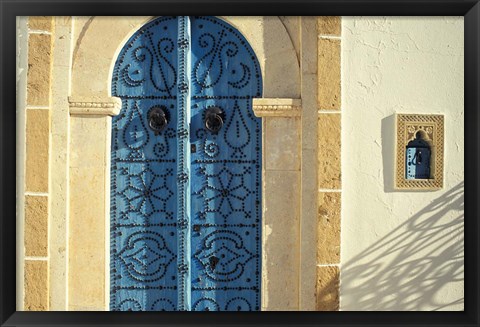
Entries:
{"x":98,"y":44}
{"x":96,"y":47}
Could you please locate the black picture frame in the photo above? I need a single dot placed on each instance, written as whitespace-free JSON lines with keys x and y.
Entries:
{"x":9,"y":9}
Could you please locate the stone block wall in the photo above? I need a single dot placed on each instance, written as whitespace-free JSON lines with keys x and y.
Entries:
{"x":56,"y":141}
{"x":329,"y":163}
{"x":37,"y":150}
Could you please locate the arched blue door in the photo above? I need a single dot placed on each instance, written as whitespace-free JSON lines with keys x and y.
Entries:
{"x":186,"y":169}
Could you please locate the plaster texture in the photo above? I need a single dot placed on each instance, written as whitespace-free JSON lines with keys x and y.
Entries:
{"x":400,"y":250}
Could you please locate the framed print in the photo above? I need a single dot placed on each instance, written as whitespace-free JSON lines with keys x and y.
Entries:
{"x":305,"y":160}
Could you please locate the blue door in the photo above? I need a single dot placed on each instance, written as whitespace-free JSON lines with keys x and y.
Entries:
{"x":186,"y":170}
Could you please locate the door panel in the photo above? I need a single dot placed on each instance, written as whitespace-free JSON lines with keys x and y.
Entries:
{"x":186,"y":202}
{"x":226,"y":170}
{"x":143,"y":274}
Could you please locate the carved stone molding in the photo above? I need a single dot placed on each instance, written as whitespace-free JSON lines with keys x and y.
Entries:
{"x":103,"y":106}
{"x":432,"y":127}
{"x":276,"y":107}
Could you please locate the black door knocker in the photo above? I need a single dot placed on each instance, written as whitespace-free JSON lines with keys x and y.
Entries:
{"x":158,"y":119}
{"x":214,"y":119}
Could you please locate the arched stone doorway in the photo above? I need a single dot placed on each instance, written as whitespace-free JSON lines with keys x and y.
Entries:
{"x":285,"y":285}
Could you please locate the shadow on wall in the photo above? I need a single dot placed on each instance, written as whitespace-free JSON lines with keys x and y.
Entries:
{"x":407,"y":269}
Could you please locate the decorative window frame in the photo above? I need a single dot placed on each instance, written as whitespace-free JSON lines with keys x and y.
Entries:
{"x":406,"y":126}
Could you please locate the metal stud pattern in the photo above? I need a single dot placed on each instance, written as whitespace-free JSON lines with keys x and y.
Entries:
{"x":186,"y":201}
{"x":183,"y":188}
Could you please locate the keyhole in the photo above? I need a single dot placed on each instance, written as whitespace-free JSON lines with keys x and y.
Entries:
{"x":213,"y":260}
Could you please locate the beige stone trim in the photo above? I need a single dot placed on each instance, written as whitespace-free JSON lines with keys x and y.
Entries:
{"x":329,"y":25}
{"x":329,"y":67}
{"x":36,"y":226}
{"x":88,"y":211}
{"x":309,"y":149}
{"x":37,"y":150}
{"x":329,"y":151}
{"x":103,"y":106}
{"x":36,"y":285}
{"x":107,"y":150}
{"x":329,"y":162}
{"x":39,"y":69}
{"x":277,"y":107}
{"x":59,"y":172}
{"x":282,"y":140}
{"x":328,"y":284}
{"x":407,"y":125}
{"x":281,"y":247}
{"x":22,"y":68}
{"x":37,"y":153}
{"x":40,"y":23}
{"x":329,"y":209}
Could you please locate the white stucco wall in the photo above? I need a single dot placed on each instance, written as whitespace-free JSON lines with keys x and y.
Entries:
{"x":400,"y":250}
